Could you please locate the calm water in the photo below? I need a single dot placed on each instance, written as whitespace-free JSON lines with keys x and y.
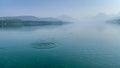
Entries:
{"x":68,"y":46}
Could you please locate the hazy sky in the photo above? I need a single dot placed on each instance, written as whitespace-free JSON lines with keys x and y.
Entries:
{"x":46,"y":8}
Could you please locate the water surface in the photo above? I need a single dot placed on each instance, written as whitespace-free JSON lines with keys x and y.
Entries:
{"x":68,"y":46}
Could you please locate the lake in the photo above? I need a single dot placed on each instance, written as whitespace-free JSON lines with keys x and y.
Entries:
{"x":67,"y":46}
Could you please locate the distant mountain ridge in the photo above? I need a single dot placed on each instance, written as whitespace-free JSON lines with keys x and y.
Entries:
{"x":67,"y":18}
{"x":64,"y":18}
{"x":114,"y":20}
{"x":19,"y":21}
{"x":29,"y":18}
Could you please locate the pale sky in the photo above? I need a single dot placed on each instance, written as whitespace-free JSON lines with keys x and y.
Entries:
{"x":53,"y":8}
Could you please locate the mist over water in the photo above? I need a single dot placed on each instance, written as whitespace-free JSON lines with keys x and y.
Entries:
{"x":77,"y":45}
{"x":59,"y":34}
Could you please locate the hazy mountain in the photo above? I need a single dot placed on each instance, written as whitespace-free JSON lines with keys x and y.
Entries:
{"x":49,"y":19}
{"x":114,"y":19}
{"x":67,"y":18}
{"x":101,"y":17}
{"x":23,"y":18}
{"x":64,"y":18}
{"x":18,"y":21}
{"x":29,"y":18}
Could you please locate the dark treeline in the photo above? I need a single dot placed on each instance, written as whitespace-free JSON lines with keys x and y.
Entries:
{"x":20,"y":23}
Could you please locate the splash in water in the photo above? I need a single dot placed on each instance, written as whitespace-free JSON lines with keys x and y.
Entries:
{"x":43,"y":45}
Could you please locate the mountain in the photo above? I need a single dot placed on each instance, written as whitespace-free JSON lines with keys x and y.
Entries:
{"x":114,"y":20}
{"x":101,"y":17}
{"x":29,"y":18}
{"x":64,"y":18}
{"x":67,"y":18}
{"x":23,"y":18}
{"x":18,"y":21}
{"x":98,"y":18}
{"x":49,"y":19}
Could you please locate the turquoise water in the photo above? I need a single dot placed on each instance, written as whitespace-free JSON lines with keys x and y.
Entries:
{"x":67,"y":46}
